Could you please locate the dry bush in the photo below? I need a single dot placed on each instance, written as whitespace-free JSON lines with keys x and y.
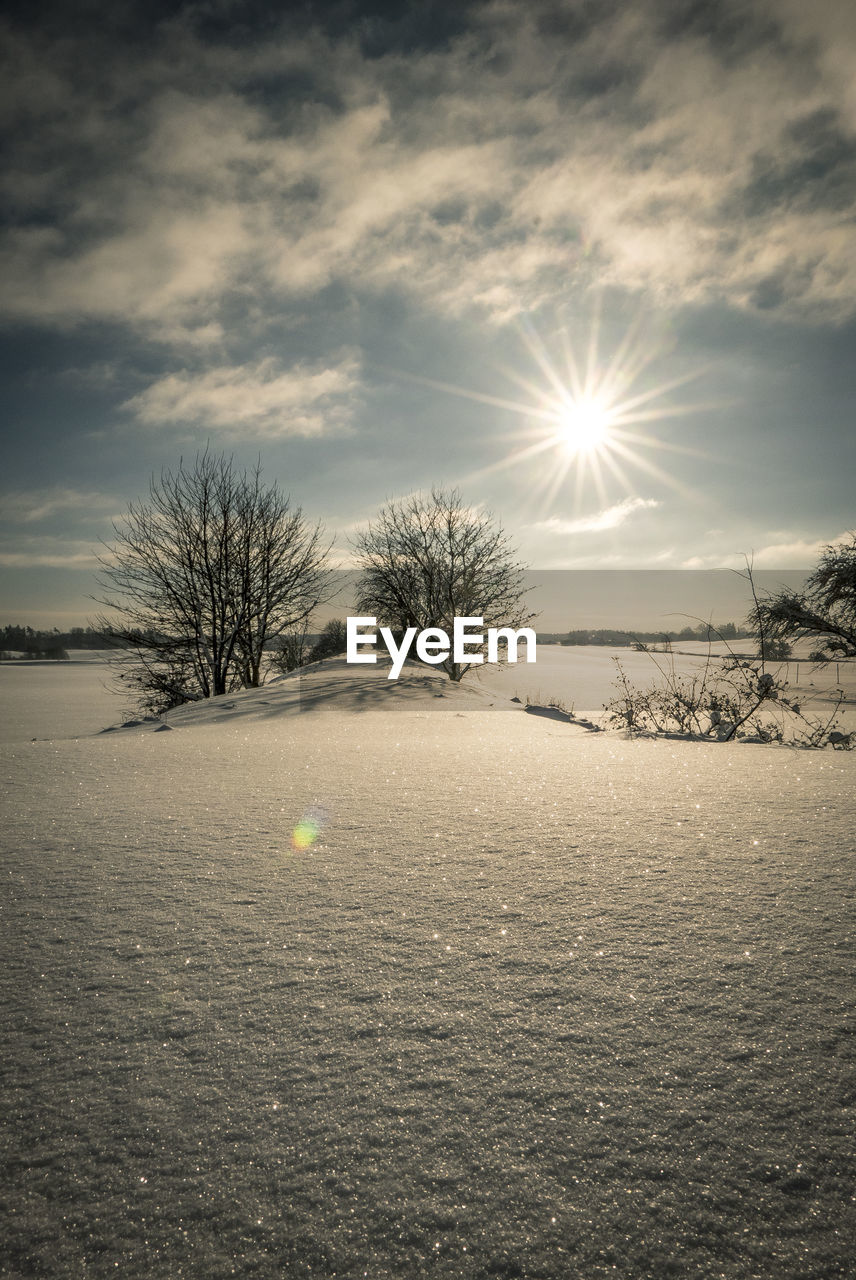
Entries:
{"x":729,"y":698}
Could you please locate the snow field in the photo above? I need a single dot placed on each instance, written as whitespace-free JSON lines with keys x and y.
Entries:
{"x":42,"y":699}
{"x":537,"y":1003}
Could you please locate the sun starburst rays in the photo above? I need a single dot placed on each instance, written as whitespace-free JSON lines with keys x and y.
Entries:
{"x":589,"y":418}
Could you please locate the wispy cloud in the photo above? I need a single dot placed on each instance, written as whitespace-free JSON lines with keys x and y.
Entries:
{"x":258,"y":399}
{"x":34,"y":505}
{"x":797,"y":553}
{"x":608,"y":518}
{"x":794,"y":553}
{"x":49,"y":553}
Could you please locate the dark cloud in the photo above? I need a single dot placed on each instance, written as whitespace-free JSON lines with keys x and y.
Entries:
{"x":733,"y":29}
{"x":813,"y":169}
{"x":572,"y":22}
{"x":378,"y":27}
{"x":384,"y":26}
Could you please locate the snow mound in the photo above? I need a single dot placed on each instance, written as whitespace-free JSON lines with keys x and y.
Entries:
{"x":333,"y":685}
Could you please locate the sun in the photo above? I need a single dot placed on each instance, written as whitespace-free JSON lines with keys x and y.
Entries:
{"x":586,"y":417}
{"x":584,"y":425}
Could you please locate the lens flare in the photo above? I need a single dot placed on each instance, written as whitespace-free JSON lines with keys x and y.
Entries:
{"x":308,"y":829}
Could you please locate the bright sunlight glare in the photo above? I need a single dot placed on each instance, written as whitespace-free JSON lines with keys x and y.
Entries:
{"x":586,"y":417}
{"x":584,"y":425}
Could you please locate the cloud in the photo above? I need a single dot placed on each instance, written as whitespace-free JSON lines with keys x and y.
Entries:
{"x":255,"y":399}
{"x":50,"y":553}
{"x":534,"y":152}
{"x":797,"y":553}
{"x":609,"y":518}
{"x":32,"y":506}
{"x":22,"y":511}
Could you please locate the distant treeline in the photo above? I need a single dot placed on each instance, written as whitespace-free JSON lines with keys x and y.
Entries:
{"x":619,"y":639}
{"x":26,"y":643}
{"x":53,"y":644}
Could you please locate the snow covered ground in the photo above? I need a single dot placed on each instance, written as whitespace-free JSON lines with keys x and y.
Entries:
{"x":535,"y":1003}
{"x":57,"y":699}
{"x":584,"y":676}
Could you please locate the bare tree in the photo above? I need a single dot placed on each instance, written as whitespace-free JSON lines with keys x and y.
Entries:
{"x":771,"y":646}
{"x":332,"y":641}
{"x":429,"y":558}
{"x":292,"y":649}
{"x":286,"y":575}
{"x":207,"y":571}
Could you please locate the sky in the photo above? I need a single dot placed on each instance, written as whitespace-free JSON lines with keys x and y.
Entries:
{"x":592,"y":263}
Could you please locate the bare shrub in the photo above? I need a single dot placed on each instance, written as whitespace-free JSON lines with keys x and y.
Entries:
{"x":728,"y":698}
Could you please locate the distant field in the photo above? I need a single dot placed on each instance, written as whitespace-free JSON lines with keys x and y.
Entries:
{"x":584,"y":676}
{"x":57,"y":699}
